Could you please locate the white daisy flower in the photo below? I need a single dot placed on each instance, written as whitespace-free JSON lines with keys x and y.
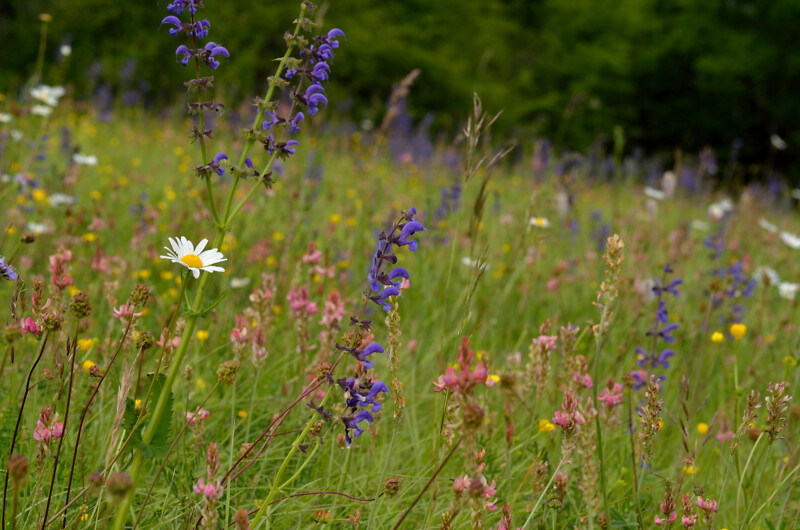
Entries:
{"x":41,"y":110}
{"x":790,"y":239}
{"x":787,"y":290}
{"x":540,"y":222}
{"x":5,"y":118}
{"x":766,"y":225}
{"x":654,"y":193}
{"x":761,"y":273}
{"x":84,"y":160}
{"x":48,"y":94}
{"x":194,"y":258}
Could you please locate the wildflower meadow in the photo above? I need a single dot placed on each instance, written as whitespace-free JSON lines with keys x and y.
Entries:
{"x":271,"y":316}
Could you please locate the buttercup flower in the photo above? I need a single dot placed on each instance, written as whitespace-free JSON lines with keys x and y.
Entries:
{"x":194,"y":258}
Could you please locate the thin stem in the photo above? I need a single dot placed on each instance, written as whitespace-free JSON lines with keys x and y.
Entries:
{"x":639,"y":516}
{"x":598,"y":430}
{"x":42,"y":344}
{"x":74,"y":346}
{"x":166,"y":457}
{"x":755,"y":490}
{"x":544,"y":491}
{"x":427,"y":485}
{"x":86,"y":411}
{"x":383,"y":475}
{"x":744,"y":471}
{"x":295,"y":447}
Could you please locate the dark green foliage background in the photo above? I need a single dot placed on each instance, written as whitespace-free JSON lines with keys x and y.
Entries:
{"x":670,"y":72}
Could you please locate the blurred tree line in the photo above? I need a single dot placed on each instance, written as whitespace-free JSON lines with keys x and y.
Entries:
{"x":670,"y":73}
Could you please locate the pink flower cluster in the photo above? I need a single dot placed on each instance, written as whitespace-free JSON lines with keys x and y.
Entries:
{"x":29,"y":326}
{"x":47,"y":427}
{"x":58,"y":268}
{"x":200,"y":414}
{"x":466,"y":378}
{"x":478,"y":487}
{"x":611,"y":396}
{"x":300,"y":303}
{"x":569,"y":415}
{"x":212,"y":492}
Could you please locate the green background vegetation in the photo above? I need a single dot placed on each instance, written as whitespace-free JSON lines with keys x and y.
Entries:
{"x":686,"y":73}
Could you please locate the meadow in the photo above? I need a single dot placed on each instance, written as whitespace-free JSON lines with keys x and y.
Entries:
{"x":382,"y":330}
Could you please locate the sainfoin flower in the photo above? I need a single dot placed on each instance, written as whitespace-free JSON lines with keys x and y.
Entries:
{"x":195,"y":259}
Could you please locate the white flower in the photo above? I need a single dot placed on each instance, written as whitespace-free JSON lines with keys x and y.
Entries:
{"x":771,"y":274}
{"x":654,"y":193}
{"x":84,"y":160}
{"x":16,"y":135}
{"x":48,"y":94}
{"x":37,"y":228}
{"x":717,"y":210}
{"x":472,"y":263}
{"x":697,"y":224}
{"x":787,"y":290}
{"x":41,"y":110}
{"x":540,"y":222}
{"x":5,"y":118}
{"x":65,"y":50}
{"x":777,"y":142}
{"x":59,"y":199}
{"x":790,"y":239}
{"x":194,"y":258}
{"x":796,"y":193}
{"x":766,"y":225}
{"x":238,"y":283}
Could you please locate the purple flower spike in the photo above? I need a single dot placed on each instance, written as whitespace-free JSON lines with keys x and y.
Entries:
{"x":219,"y":157}
{"x":200,"y":29}
{"x":333,"y":34}
{"x":175,"y":21}
{"x":369,"y":350}
{"x":7,"y":272}
{"x":320,"y":72}
{"x":210,"y":51}
{"x":186,"y":52}
{"x":410,"y":228}
{"x":398,"y":272}
{"x":296,"y":121}
{"x":289,"y":147}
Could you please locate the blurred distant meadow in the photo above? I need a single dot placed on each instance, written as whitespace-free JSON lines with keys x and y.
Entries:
{"x":417,"y":265}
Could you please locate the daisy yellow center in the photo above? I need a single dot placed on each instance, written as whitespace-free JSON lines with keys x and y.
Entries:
{"x":192,"y":261}
{"x":539,"y":222}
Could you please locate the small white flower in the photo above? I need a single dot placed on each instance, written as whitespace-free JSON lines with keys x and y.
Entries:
{"x":777,"y":142}
{"x":194,"y":258}
{"x":60,"y":199}
{"x":5,"y":118}
{"x":790,"y":239}
{"x":41,"y":110}
{"x":65,"y":50}
{"x":238,"y":283}
{"x":719,"y":209}
{"x":84,"y":160}
{"x":48,"y":94}
{"x":766,"y":225}
{"x":539,"y":222}
{"x":16,"y":135}
{"x":654,"y":193}
{"x":37,"y":228}
{"x":472,"y":263}
{"x":761,"y":272}
{"x":787,"y":290}
{"x":699,"y":225}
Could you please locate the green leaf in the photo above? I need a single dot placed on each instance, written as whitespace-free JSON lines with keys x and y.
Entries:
{"x":129,"y":420}
{"x":160,"y":443}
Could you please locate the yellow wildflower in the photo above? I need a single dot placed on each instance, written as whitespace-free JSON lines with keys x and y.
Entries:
{"x":702,"y":429}
{"x":202,"y":335}
{"x":717,"y":337}
{"x":690,"y":469}
{"x":546,"y":425}
{"x":242,"y":414}
{"x":87,"y":365}
{"x":738,"y":331}
{"x":85,"y":345}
